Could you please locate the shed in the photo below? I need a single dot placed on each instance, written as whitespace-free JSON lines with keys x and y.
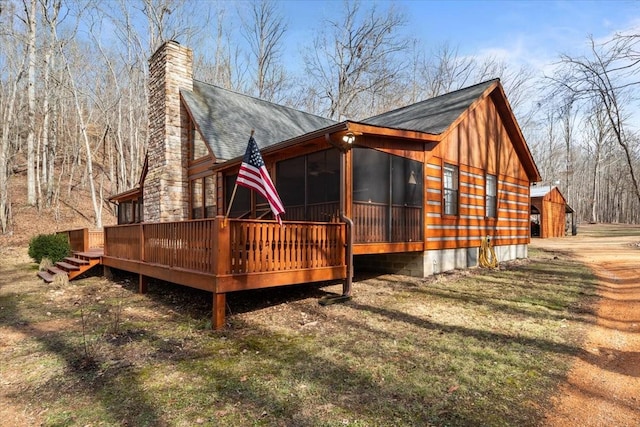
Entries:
{"x":551,"y":216}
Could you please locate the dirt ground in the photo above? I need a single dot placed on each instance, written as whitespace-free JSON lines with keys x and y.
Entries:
{"x":603,"y":386}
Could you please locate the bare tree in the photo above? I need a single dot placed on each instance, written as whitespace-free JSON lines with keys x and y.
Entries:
{"x":354,"y":56}
{"x":597,"y":132}
{"x":226,"y":68}
{"x":263,"y":30}
{"x":606,"y":76}
{"x":50,"y":12}
{"x":30,"y":20}
{"x":7,"y":116}
{"x":445,"y":70}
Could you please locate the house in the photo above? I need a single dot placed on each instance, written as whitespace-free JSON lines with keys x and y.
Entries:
{"x":551,"y":216}
{"x":411,"y":191}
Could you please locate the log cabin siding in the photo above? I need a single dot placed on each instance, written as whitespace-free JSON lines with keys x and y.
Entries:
{"x":479,"y":145}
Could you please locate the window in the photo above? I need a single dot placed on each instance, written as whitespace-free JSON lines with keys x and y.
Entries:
{"x":209,"y":196}
{"x":203,"y":197}
{"x":491,"y":192}
{"x":197,"y":147}
{"x":196,"y":199}
{"x":450,"y":193}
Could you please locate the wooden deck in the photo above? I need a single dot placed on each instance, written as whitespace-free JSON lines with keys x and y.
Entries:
{"x":221,"y":256}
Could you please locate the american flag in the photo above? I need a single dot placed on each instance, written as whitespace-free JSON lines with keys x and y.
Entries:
{"x":253,"y":174}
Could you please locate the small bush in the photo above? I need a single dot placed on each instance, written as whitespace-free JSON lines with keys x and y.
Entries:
{"x":53,"y":246}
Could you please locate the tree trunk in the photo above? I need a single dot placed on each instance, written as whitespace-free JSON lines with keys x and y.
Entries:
{"x":31,"y":103}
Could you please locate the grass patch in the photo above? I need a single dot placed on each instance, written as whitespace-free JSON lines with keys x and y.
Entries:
{"x":480,"y":347}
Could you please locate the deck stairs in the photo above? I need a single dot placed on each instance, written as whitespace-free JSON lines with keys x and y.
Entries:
{"x":72,"y":266}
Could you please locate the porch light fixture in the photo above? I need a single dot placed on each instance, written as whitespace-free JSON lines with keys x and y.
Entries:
{"x":349,"y":138}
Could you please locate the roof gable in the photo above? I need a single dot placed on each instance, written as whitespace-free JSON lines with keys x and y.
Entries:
{"x":226,"y":118}
{"x":434,"y":115}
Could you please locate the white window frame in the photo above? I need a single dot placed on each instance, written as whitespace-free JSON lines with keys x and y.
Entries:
{"x":450,"y":185}
{"x":491,"y":196}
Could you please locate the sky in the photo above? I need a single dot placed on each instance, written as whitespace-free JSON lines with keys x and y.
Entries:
{"x":532,"y":32}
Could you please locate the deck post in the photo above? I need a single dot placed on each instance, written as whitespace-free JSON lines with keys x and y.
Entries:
{"x":221,"y":260}
{"x":107,"y":273}
{"x":143,"y":284}
{"x":219,"y":307}
{"x":85,"y":239}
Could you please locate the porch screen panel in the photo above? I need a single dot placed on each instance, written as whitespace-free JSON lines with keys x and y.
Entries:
{"x":387,"y":197}
{"x":370,"y":176}
{"x":290,"y":176}
{"x":309,"y":185}
{"x":323,"y":185}
{"x":406,"y":194}
{"x":371,"y":195}
{"x":241,"y":207}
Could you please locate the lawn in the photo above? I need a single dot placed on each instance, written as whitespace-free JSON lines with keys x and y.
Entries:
{"x":477,"y":347}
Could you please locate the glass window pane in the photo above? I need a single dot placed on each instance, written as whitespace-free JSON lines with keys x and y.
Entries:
{"x":198,"y":146}
{"x":210,"y":196}
{"x":491,"y":196}
{"x":450,"y":193}
{"x":139,"y":215}
{"x":196,"y":199}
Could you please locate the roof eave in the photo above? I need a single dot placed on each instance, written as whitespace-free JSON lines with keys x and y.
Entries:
{"x":340,"y":128}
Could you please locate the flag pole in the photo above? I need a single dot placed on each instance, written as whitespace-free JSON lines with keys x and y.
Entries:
{"x":233,"y":195}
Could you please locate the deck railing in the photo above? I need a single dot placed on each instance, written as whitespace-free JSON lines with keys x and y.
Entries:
{"x":265,"y":246}
{"x":375,"y":222}
{"x":83,"y":239}
{"x":229,"y":247}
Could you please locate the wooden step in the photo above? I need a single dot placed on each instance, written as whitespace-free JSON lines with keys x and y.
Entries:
{"x":89,"y":254}
{"x":66,"y":266}
{"x":76,"y":261}
{"x":55,"y":270}
{"x":46,"y":276}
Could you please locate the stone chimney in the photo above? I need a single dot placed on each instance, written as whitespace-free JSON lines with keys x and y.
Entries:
{"x":166,"y":188}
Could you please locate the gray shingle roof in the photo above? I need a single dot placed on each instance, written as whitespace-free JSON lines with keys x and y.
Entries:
{"x":434,"y":115}
{"x":540,"y":190}
{"x":226,"y":119}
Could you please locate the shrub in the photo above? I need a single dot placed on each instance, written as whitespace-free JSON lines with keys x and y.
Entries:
{"x":53,"y":246}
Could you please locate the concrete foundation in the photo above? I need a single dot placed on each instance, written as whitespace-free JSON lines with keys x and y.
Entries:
{"x":423,"y":264}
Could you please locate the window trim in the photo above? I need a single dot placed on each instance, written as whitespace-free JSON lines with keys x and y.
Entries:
{"x":491,"y":198}
{"x":455,"y":190}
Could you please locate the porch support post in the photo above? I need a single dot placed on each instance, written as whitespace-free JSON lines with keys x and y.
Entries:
{"x":143,"y":284}
{"x":219,"y":306}
{"x":85,"y":239}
